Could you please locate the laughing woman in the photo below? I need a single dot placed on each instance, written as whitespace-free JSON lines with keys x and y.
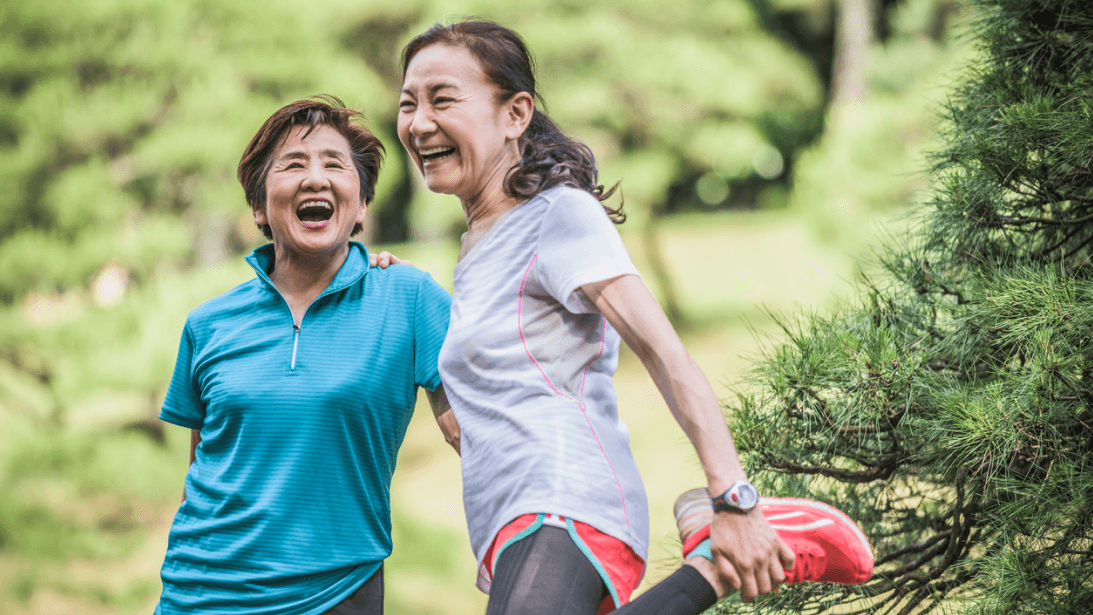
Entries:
{"x":544,"y":291}
{"x":298,"y":386}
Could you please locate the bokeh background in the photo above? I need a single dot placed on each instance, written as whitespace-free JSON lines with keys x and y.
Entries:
{"x":763,"y":148}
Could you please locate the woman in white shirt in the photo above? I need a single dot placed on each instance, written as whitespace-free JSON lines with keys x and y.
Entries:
{"x":544,"y":291}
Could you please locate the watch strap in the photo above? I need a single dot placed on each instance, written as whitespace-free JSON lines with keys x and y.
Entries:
{"x":729,"y":499}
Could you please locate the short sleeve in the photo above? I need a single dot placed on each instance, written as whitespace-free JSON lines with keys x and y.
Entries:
{"x":433,"y":309}
{"x":183,"y":405}
{"x":578,"y":244}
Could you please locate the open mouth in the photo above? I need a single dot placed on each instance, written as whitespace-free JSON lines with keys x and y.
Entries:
{"x":314,"y":214}
{"x":436,"y":153}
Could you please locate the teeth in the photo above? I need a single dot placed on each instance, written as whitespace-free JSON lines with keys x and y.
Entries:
{"x":315,"y":211}
{"x":429,"y":151}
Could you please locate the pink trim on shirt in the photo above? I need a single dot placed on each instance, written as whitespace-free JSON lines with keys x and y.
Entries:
{"x":579,"y":404}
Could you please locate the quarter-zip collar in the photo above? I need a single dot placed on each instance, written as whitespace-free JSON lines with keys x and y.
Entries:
{"x":353,"y":269}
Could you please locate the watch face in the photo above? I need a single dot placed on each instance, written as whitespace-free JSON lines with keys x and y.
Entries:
{"x":745,"y":495}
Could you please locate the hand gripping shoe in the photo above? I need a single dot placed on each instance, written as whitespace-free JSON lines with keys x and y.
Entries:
{"x":829,"y":547}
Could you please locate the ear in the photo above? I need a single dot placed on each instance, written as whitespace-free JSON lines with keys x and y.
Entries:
{"x":519,"y":108}
{"x":362,"y":213}
{"x":260,"y":217}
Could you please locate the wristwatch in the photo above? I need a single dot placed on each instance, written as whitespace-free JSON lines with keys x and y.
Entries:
{"x":741,"y":497}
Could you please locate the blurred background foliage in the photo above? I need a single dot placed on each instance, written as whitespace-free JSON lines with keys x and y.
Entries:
{"x":758,"y":142}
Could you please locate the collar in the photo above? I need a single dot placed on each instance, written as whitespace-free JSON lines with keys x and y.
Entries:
{"x":352,"y":270}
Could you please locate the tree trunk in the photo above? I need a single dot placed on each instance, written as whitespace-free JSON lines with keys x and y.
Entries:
{"x":853,"y":36}
{"x":659,"y":269}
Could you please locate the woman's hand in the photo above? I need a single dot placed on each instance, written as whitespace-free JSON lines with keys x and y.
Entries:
{"x":385,"y":259}
{"x":748,"y":554}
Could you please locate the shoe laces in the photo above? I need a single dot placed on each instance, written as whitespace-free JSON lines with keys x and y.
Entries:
{"x":805,"y":567}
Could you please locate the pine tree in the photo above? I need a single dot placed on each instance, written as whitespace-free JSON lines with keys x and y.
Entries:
{"x":950,"y":409}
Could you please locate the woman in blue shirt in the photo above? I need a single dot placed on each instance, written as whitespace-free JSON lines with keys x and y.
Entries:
{"x":298,"y":386}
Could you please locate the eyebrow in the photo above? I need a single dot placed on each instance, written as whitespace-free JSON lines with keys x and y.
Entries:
{"x":299,"y":153}
{"x":432,"y":88}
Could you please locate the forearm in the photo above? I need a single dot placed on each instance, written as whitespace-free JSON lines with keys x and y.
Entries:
{"x":450,"y":428}
{"x":195,"y":439}
{"x":445,"y":418}
{"x":694,"y":405}
{"x":633,"y":311}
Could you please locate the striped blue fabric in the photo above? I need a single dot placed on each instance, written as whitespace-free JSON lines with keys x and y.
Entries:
{"x":287,"y":506}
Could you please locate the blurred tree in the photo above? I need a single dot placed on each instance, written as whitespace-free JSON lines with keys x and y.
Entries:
{"x":951,"y":412}
{"x":122,"y":121}
{"x":377,"y":40}
{"x":120,"y":127}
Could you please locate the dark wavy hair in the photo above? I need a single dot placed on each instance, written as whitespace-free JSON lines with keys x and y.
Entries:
{"x":548,"y":157}
{"x":364,"y":147}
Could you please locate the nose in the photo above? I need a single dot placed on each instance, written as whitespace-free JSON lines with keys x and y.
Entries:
{"x":315,"y":178}
{"x":422,"y":121}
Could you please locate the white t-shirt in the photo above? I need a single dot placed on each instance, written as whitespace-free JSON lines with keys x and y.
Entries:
{"x":527,"y":366}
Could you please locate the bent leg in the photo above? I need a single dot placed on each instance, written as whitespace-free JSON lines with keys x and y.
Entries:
{"x":684,"y":592}
{"x":545,"y":574}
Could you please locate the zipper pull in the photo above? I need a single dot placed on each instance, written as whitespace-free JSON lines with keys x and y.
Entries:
{"x":295,"y":344}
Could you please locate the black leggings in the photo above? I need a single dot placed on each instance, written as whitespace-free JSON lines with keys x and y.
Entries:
{"x":546,"y":574}
{"x":366,"y":600}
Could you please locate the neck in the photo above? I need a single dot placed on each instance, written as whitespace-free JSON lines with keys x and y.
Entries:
{"x":300,"y":278}
{"x":482,"y":208}
{"x":481,"y":213}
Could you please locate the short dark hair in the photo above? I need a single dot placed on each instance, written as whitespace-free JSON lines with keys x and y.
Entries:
{"x":548,"y":156}
{"x":364,"y":147}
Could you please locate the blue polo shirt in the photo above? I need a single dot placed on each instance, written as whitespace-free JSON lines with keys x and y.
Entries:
{"x":287,"y":506}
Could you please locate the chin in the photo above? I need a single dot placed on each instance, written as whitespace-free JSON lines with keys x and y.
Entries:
{"x":439,"y":186}
{"x":441,"y":182}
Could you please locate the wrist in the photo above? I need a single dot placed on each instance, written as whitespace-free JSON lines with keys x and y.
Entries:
{"x":722,"y":482}
{"x":740,"y":497}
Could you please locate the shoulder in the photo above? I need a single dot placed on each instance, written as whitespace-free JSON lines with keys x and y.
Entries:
{"x":572,"y":212}
{"x":406,"y":280}
{"x":230,"y":305}
{"x":568,"y":196}
{"x":399,"y":275}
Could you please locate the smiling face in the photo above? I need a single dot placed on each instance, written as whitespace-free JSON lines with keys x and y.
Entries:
{"x":312,"y":194}
{"x":460,"y":136}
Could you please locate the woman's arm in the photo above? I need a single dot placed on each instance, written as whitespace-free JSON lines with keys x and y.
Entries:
{"x":442,"y":410}
{"x":195,"y":439}
{"x":748,"y":554}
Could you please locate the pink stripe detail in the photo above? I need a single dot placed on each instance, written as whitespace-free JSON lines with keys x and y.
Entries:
{"x":579,"y":404}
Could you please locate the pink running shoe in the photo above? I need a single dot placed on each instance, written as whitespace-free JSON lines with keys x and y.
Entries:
{"x":830,"y":547}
